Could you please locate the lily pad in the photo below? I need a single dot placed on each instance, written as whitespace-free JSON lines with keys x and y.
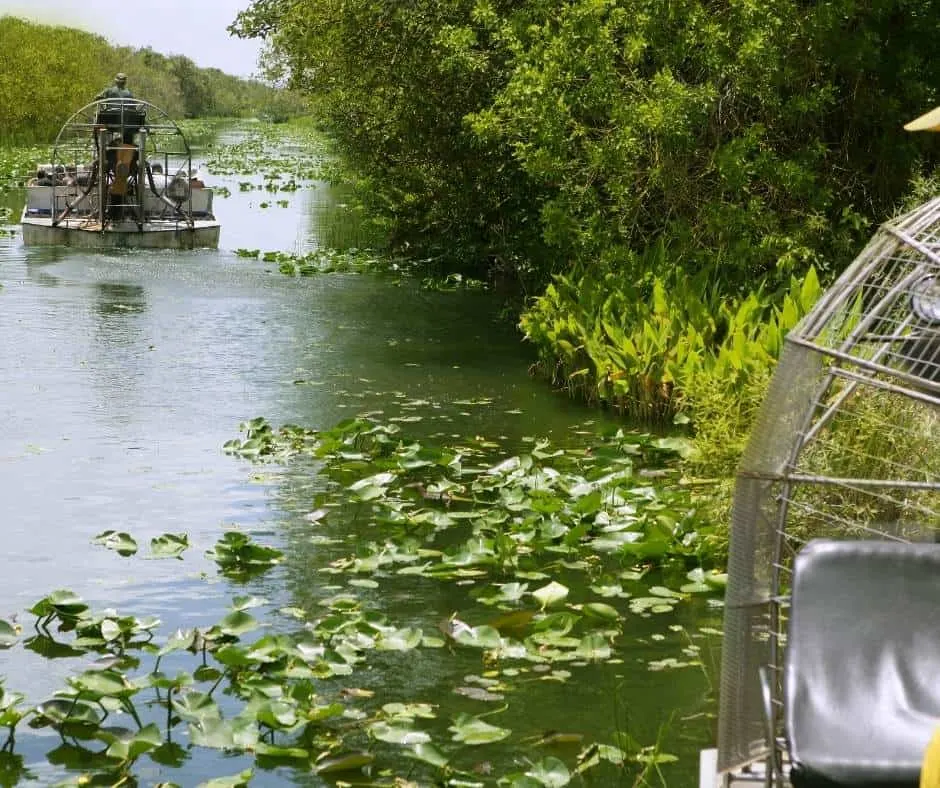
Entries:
{"x":398,"y":734}
{"x":347,"y":762}
{"x":9,"y":634}
{"x":550,"y":594}
{"x":169,"y":545}
{"x":429,"y":754}
{"x":239,"y":780}
{"x":119,"y":541}
{"x":475,"y":731}
{"x":550,"y":772}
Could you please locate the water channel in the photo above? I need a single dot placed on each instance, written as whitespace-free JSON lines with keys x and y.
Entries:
{"x":123,"y":373}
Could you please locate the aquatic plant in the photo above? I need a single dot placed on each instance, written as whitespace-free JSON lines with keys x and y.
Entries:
{"x":282,"y":685}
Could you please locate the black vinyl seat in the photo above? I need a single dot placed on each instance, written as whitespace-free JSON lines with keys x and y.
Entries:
{"x":862,"y":666}
{"x":122,"y":115}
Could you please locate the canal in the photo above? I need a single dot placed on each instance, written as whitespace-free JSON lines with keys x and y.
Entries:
{"x":123,"y":374}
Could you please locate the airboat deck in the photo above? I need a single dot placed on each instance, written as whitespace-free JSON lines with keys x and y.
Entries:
{"x":121,"y":175}
{"x":831,"y":652}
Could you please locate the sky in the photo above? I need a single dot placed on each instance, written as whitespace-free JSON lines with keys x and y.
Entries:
{"x":195,"y":28}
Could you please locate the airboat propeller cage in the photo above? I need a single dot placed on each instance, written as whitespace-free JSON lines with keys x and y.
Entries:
{"x":846,"y":446}
{"x":104,"y":187}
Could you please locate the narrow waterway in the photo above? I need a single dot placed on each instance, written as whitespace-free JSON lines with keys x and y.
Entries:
{"x":123,"y":373}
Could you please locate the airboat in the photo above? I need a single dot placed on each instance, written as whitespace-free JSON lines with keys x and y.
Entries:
{"x":831,"y":654}
{"x":121,"y":175}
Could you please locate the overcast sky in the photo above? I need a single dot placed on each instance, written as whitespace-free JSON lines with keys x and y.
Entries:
{"x":195,"y":28}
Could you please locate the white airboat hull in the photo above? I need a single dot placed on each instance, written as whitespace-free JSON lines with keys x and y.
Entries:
{"x":80,"y":233}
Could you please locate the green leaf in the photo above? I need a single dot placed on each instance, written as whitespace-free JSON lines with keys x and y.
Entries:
{"x":135,"y":744}
{"x":601,"y":610}
{"x":248,"y":602}
{"x":9,"y":634}
{"x":473,"y":730}
{"x":478,"y":637}
{"x":110,"y":629}
{"x":64,"y":604}
{"x":550,"y":772}
{"x":237,"y":734}
{"x":550,"y":594}
{"x":195,"y":706}
{"x":66,"y":710}
{"x":102,"y":683}
{"x":238,"y":623}
{"x":277,"y":714}
{"x":594,"y":647}
{"x":398,"y":734}
{"x":400,"y":640}
{"x":178,"y":641}
{"x":275,"y":751}
{"x":429,"y":754}
{"x":239,"y":780}
{"x":352,"y":761}
{"x":119,"y":541}
{"x":169,"y":545}
{"x":656,"y":757}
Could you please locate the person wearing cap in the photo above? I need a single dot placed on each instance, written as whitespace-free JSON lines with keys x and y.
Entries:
{"x":117,"y":90}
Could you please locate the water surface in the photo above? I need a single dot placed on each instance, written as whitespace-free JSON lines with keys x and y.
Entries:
{"x":123,"y":373}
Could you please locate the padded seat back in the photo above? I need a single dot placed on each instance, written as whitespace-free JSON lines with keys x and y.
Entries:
{"x":862,"y":667}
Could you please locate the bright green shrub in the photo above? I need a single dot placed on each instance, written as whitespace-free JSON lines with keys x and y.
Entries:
{"x":645,"y":350}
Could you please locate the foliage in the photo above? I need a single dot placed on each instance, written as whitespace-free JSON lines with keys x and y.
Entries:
{"x":514,"y":508}
{"x":673,"y":351}
{"x":393,"y":83}
{"x":874,"y":435}
{"x":47,"y":72}
{"x":757,"y":138}
{"x":278,"y":685}
{"x":644,"y":350}
{"x":670,"y":171}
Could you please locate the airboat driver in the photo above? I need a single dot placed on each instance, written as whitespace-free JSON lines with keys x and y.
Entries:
{"x":118,"y":90}
{"x":114,"y":112}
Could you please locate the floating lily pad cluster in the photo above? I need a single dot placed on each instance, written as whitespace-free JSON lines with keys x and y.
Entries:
{"x":526,"y":536}
{"x":285,"y":158}
{"x":325,"y":261}
{"x":556,"y":550}
{"x":561,"y":503}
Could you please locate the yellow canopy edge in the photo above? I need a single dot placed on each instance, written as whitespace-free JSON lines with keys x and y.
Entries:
{"x":928,"y":122}
{"x":930,"y":768}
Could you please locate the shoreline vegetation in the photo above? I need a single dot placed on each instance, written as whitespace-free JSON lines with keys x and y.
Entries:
{"x":48,"y":71}
{"x":669,"y":186}
{"x":662,"y":194}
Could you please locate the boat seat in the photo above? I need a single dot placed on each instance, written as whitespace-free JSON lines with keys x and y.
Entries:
{"x":862,"y":667}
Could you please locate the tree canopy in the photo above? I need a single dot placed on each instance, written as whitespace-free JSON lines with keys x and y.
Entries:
{"x":742,"y":137}
{"x":47,"y":72}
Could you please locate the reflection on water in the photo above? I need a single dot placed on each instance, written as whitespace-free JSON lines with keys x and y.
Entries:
{"x":334,"y":221}
{"x":121,"y":376}
{"x":118,"y":298}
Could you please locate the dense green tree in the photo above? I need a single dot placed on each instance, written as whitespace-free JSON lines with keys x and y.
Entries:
{"x":750,"y":138}
{"x":197,"y":94}
{"x":679,"y":170}
{"x":395,"y":83}
{"x":48,"y":72}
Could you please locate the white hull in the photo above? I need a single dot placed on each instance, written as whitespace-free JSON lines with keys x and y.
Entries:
{"x":85,"y":233}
